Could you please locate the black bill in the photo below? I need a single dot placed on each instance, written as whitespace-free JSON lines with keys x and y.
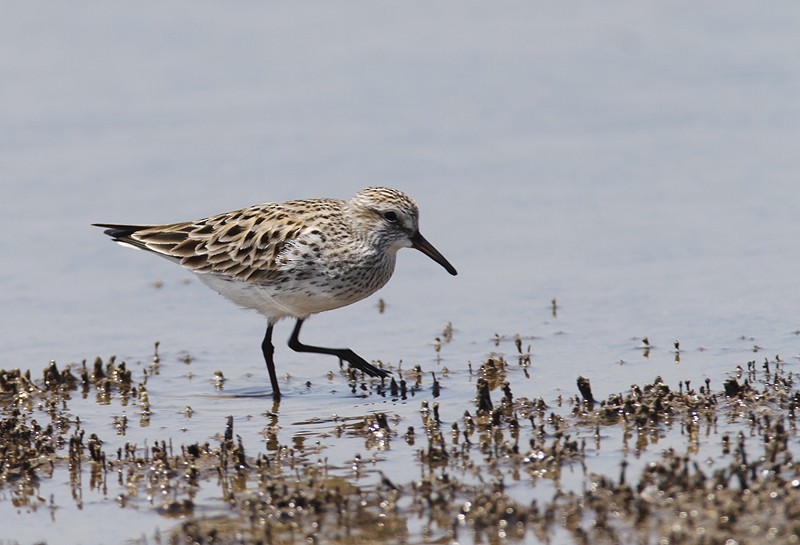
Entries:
{"x":419,"y":242}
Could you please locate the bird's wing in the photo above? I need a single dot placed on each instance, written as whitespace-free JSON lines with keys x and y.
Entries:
{"x":244,"y":245}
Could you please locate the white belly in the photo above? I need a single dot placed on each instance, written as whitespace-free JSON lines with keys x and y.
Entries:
{"x":283,"y":301}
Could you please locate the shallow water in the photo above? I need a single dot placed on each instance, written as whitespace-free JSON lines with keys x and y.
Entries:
{"x":638,"y":164}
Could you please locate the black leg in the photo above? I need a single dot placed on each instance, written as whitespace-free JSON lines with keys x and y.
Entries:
{"x":342,"y":353}
{"x":269,"y":350}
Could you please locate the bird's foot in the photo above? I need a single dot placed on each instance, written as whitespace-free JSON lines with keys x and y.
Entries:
{"x":362,"y":365}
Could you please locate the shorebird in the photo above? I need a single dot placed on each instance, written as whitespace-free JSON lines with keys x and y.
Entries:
{"x":293,"y":259}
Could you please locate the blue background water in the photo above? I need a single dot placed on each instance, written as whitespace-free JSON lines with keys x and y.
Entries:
{"x":638,"y":162}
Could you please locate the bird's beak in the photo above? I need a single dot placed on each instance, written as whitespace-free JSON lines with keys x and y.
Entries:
{"x":419,"y":242}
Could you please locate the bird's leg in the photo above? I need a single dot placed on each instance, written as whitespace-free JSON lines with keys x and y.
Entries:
{"x":268,"y":349}
{"x":342,"y":353}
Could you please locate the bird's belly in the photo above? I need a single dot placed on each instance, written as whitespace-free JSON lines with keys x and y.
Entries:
{"x":289,"y":299}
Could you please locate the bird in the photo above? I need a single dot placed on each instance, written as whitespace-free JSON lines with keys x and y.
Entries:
{"x":293,"y":259}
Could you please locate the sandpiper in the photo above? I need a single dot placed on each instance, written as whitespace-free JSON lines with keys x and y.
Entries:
{"x":295,"y":258}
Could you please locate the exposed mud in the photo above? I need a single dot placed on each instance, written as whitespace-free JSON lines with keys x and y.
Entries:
{"x":478,"y":472}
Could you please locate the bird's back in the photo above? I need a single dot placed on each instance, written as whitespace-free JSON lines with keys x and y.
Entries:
{"x":294,"y":258}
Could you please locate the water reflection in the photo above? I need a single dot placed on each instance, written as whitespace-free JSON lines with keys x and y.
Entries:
{"x":477,"y":476}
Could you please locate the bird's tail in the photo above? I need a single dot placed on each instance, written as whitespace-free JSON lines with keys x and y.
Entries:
{"x":122,"y":233}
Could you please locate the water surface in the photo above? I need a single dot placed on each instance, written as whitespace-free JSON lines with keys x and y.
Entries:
{"x":637,"y":163}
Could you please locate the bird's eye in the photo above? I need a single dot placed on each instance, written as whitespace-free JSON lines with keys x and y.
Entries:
{"x":390,"y":216}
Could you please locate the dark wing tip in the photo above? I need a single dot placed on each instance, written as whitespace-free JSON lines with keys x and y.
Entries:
{"x":121,"y":233}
